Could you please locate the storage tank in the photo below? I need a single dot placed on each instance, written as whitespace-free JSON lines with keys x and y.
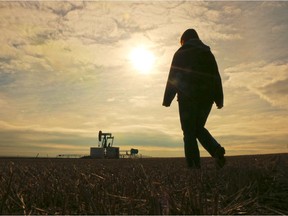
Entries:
{"x":112,"y":152}
{"x":96,"y":152}
{"x":133,"y":151}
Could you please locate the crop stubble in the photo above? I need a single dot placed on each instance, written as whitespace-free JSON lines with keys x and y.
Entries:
{"x":246,"y":185}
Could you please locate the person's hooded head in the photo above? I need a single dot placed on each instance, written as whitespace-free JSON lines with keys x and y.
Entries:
{"x":188,"y":35}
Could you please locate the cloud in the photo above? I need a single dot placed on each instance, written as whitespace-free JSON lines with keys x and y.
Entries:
{"x":65,"y":73}
{"x":276,"y":92}
{"x":278,"y":88}
{"x":263,"y":79}
{"x":34,"y":139}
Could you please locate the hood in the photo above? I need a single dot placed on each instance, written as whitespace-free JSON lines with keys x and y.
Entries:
{"x":197,"y":44}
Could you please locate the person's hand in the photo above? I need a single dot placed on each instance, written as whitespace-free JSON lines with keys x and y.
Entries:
{"x":165,"y":105}
{"x":219,"y":106}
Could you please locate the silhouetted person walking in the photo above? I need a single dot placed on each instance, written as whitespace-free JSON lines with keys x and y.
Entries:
{"x":195,"y":78}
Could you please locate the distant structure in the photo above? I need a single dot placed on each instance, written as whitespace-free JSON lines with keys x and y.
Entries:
{"x":132,"y":153}
{"x":70,"y":156}
{"x":104,"y":137}
{"x":106,"y":150}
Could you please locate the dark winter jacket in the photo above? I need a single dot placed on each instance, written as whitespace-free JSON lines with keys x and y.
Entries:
{"x":194,"y":75}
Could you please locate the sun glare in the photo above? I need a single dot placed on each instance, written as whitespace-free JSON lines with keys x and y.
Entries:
{"x":142,"y":59}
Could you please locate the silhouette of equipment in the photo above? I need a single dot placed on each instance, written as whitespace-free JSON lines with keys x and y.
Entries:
{"x":133,"y":151}
{"x":105,"y":137}
{"x":105,"y":148}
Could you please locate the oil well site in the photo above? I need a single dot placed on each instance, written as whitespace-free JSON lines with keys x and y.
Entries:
{"x":105,"y":149}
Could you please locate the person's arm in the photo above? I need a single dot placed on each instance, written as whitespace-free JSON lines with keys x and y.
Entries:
{"x":170,"y":90}
{"x":218,"y":89}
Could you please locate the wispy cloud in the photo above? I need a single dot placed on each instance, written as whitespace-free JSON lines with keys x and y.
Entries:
{"x":266,"y":80}
{"x":65,"y":73}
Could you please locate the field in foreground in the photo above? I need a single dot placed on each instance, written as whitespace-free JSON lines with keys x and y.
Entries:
{"x":246,"y":185}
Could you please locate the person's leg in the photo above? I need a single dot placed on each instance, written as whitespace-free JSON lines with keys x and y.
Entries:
{"x":202,"y":134}
{"x":188,"y":119}
{"x":206,"y":139}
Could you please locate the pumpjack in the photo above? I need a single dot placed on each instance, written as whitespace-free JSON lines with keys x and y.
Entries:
{"x":105,"y":137}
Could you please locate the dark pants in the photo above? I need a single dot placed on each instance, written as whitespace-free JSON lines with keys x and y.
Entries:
{"x":193,"y":117}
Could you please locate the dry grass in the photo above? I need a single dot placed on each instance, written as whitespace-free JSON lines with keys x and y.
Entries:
{"x":247,"y":185}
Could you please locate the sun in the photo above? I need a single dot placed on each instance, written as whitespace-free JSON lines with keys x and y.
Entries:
{"x":142,"y":59}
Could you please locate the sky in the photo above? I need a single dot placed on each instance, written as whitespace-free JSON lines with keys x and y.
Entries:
{"x":66,"y":72}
